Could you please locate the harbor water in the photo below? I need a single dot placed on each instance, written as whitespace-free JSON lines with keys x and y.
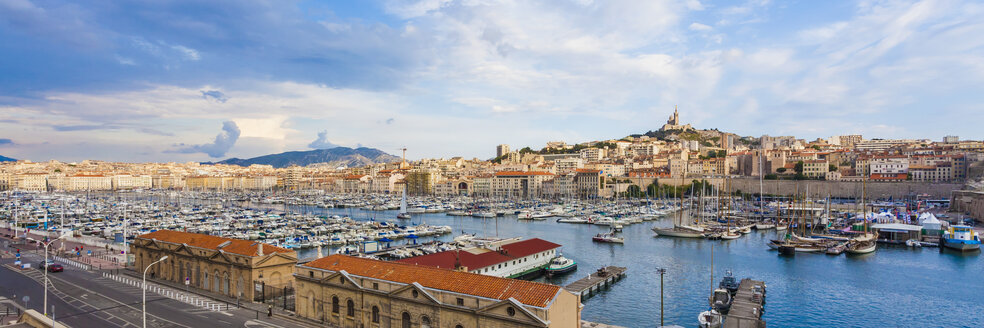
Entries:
{"x":893,"y":287}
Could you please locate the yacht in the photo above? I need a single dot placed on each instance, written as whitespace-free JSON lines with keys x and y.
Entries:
{"x":608,"y":237}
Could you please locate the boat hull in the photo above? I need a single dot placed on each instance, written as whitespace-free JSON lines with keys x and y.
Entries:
{"x":678,"y":233}
{"x":961,"y":245}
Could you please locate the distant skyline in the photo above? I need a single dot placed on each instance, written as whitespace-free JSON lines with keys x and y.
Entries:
{"x":204,"y":81}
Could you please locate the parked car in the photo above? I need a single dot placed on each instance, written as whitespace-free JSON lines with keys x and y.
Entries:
{"x":55,"y":267}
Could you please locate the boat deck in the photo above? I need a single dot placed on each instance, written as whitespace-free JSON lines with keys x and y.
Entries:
{"x":588,"y":286}
{"x":746,"y":308}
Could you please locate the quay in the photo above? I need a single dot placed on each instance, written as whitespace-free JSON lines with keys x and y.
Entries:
{"x":603,"y":278}
{"x":747,"y":306}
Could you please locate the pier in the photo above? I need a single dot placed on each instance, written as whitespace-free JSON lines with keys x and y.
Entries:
{"x":596,"y":281}
{"x":747,"y":306}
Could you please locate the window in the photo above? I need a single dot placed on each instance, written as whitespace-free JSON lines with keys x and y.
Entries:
{"x":375,"y":314}
{"x":458,"y":326}
{"x":334,"y":304}
{"x":461,"y":301}
{"x":415,"y":293}
{"x":406,"y":320}
{"x":350,"y":308}
{"x":511,"y":311}
{"x":375,"y":285}
{"x":425,"y":322}
{"x":311,"y":274}
{"x":341,"y":280}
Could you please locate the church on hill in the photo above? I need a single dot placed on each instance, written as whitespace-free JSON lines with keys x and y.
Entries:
{"x":673,"y":123}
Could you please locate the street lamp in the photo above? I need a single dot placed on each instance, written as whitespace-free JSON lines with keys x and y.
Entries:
{"x":661,"y":272}
{"x":145,"y":289}
{"x":46,"y":244}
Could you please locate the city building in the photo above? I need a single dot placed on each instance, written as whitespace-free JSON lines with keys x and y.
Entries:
{"x":508,"y":258}
{"x":227,"y":266}
{"x":501,"y":150}
{"x":817,"y":168}
{"x":345,"y":291}
{"x":519,"y":184}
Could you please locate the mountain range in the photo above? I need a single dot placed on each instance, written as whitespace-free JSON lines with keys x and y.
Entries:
{"x":338,"y":156}
{"x":6,"y":159}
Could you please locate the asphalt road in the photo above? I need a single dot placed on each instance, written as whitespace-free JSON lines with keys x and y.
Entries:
{"x":86,"y":299}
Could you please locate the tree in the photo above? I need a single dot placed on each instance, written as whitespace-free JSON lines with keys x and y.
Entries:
{"x":771,"y":177}
{"x":816,"y":147}
{"x":653,"y":189}
{"x":833,"y":168}
{"x":799,"y":167}
{"x":781,"y":170}
{"x":633,"y":191}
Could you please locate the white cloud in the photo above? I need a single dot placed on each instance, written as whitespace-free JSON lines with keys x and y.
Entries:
{"x":187,"y":53}
{"x":699,"y":27}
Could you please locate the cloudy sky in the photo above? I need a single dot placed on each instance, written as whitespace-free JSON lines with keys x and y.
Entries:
{"x":204,"y":80}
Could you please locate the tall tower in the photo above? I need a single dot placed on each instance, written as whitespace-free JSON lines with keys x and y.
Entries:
{"x":676,"y":116}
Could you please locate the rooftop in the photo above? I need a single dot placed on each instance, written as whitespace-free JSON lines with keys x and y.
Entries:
{"x":526,"y":292}
{"x":235,"y":246}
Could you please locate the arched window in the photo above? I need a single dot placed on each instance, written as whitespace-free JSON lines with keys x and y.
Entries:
{"x":205,"y":279}
{"x":350,"y":308}
{"x":459,"y":326}
{"x":406,"y":320}
{"x":425,"y":322}
{"x":218,"y":281}
{"x":334,"y":304}
{"x":375,"y":314}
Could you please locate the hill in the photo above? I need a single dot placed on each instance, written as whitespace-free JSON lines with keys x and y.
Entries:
{"x":7,"y":159}
{"x":338,"y":156}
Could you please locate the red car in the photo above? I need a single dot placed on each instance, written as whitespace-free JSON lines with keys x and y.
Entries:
{"x":55,"y":268}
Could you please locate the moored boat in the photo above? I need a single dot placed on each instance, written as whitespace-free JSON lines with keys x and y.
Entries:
{"x":962,"y":238}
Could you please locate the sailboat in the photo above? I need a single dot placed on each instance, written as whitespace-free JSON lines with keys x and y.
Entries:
{"x":866,"y":243}
{"x":679,"y":229}
{"x":404,"y":215}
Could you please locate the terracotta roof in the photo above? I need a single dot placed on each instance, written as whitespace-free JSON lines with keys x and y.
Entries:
{"x":587,"y":171}
{"x":502,"y":173}
{"x":236,"y":246}
{"x":526,"y":292}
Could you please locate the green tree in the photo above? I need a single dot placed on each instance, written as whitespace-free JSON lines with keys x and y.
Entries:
{"x":781,"y":170}
{"x":799,"y":167}
{"x":633,"y":191}
{"x":833,"y":168}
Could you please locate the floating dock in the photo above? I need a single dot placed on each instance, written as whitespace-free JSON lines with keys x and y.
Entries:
{"x":747,"y":306}
{"x":601,"y":279}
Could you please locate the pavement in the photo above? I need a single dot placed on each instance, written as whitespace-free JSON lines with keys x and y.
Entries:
{"x":82,"y":298}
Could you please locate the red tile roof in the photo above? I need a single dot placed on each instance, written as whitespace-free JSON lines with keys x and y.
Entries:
{"x":471,"y":261}
{"x":236,"y":246}
{"x":502,"y":173}
{"x":526,"y":292}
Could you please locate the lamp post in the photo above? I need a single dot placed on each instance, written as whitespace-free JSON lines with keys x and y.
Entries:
{"x":46,"y":244}
{"x":145,"y":289}
{"x":661,"y":272}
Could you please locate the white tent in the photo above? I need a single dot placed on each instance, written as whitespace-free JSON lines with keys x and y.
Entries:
{"x":929,"y":221}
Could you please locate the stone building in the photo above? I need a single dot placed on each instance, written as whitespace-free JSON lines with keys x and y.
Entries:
{"x":232,"y":267}
{"x":348,"y":291}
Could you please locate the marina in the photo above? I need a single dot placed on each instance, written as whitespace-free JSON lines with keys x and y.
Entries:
{"x":796,"y":284}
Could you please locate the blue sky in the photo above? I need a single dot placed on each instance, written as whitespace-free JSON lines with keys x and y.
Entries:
{"x":204,"y":80}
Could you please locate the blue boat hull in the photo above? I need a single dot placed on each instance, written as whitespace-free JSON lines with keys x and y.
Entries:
{"x":961,"y":245}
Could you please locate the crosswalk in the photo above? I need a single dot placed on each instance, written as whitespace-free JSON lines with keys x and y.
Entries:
{"x":198,"y":301}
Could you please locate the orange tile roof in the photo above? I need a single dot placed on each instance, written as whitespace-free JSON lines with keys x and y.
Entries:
{"x":501,"y":173}
{"x":236,"y":246}
{"x":526,"y":292}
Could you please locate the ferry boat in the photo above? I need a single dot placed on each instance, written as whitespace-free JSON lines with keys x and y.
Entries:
{"x":561,"y":265}
{"x":962,"y":238}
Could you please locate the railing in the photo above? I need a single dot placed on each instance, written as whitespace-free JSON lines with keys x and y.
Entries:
{"x":201,"y":302}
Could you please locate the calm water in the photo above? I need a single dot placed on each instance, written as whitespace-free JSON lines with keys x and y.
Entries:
{"x":893,"y":287}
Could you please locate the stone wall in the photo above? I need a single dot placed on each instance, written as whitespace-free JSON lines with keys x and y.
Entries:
{"x":843,"y":189}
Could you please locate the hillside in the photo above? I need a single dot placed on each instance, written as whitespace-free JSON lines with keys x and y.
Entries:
{"x":7,"y":159}
{"x":338,"y":156}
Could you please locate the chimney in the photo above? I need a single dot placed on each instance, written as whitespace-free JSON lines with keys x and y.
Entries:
{"x":261,"y":249}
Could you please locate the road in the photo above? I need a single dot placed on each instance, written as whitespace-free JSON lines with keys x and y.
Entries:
{"x":87,"y":299}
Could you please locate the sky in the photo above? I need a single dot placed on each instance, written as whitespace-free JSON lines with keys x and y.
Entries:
{"x":177,"y":80}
